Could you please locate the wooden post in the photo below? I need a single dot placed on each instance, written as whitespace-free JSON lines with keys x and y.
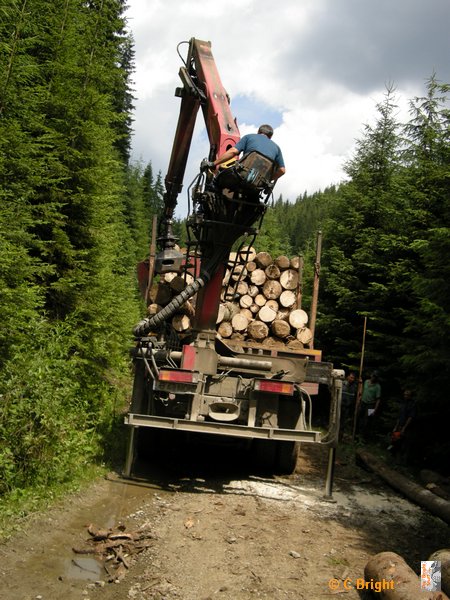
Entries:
{"x":360,"y":381}
{"x":151,"y":260}
{"x":315,"y":294}
{"x":300,"y":281}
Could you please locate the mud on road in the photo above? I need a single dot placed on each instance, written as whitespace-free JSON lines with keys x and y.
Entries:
{"x":216,"y":531}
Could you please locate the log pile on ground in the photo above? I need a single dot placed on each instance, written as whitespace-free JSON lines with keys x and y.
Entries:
{"x":260,"y":301}
{"x":116,"y":548}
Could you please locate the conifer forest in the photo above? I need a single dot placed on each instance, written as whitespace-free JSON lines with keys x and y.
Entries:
{"x":76,"y":215}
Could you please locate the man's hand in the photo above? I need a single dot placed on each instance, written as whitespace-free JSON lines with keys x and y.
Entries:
{"x":206,"y":164}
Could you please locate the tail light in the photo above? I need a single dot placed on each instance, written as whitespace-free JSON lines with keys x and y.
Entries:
{"x":178,"y":376}
{"x":274,"y":387}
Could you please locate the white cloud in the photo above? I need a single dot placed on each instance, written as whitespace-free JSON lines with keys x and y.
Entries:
{"x":260,"y":50}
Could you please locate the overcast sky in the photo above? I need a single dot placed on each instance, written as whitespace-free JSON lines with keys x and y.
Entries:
{"x":314,"y":69}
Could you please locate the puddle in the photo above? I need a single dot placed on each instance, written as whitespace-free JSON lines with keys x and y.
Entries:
{"x":87,"y":569}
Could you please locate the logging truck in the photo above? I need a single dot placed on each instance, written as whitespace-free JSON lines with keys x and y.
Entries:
{"x":225,"y":348}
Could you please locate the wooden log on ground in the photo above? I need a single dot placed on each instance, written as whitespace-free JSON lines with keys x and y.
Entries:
{"x":391,"y":569}
{"x":280,"y":329}
{"x":282,"y":262}
{"x":298,"y":318}
{"x":225,"y":329}
{"x":272,"y":289}
{"x":263,"y":260}
{"x":258,"y":277}
{"x":289,"y":279}
{"x":287,"y":299}
{"x":181,"y":322}
{"x":257,"y":330}
{"x":272,"y":272}
{"x":415,"y":492}
{"x":443,"y":556}
{"x":239,"y":322}
{"x":267,"y":314}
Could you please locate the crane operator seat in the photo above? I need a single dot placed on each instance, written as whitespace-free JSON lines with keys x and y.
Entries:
{"x":252,"y":173}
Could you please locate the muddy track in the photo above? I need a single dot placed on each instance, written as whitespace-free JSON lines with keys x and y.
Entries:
{"x":215,"y":530}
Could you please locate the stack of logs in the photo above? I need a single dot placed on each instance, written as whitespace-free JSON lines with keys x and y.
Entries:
{"x":265,"y":301}
{"x":260,"y":301}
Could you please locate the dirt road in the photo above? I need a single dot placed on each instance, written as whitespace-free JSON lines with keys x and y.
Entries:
{"x":216,"y":531}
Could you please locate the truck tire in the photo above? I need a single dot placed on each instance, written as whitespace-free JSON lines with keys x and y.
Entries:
{"x":286,"y":457}
{"x":264,"y":456}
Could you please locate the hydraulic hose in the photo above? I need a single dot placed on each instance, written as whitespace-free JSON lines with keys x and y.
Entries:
{"x":144,"y":326}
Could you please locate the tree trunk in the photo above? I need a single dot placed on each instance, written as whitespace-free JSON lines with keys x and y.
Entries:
{"x":304,"y":335}
{"x":257,"y":330}
{"x":443,"y":556}
{"x":287,"y":298}
{"x":181,"y":322}
{"x":246,"y":301}
{"x":263,"y":260}
{"x":289,"y":279}
{"x":391,"y":569}
{"x":282,"y":262}
{"x":251,"y":266}
{"x":225,"y":329}
{"x":239,"y":322}
{"x":273,"y":304}
{"x":272,"y":289}
{"x":298,"y":318}
{"x":260,"y":300}
{"x":247,"y":254}
{"x":280,"y":328}
{"x":267,"y":314}
{"x":272,"y":272}
{"x":253,"y":290}
{"x":258,"y":277}
{"x":413,"y":491}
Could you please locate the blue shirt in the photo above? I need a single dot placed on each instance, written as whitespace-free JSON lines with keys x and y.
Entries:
{"x":262,"y":144}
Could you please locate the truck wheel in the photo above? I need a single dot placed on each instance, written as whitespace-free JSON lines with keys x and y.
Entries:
{"x":286,"y":457}
{"x":264,"y":455}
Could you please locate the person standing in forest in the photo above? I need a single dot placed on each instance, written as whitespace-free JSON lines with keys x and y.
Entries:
{"x":400,"y":439}
{"x":349,"y":390}
{"x":370,"y":405}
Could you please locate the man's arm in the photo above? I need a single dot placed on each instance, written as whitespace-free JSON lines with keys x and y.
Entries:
{"x":231,"y":153}
{"x":279,"y":173}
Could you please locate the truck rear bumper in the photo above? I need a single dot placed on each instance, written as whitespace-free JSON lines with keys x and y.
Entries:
{"x":230,"y":429}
